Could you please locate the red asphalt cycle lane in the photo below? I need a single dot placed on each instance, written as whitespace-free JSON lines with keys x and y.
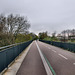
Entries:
{"x":32,"y":64}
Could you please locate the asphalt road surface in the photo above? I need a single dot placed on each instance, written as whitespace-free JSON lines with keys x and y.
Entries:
{"x":62,"y":61}
{"x":32,"y":64}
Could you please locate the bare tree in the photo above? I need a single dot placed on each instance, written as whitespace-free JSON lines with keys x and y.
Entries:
{"x":22,"y":25}
{"x":64,"y":34}
{"x":17,"y":24}
{"x":54,"y":34}
{"x":2,"y":23}
{"x":11,"y":23}
{"x":68,"y":31}
{"x":73,"y":32}
{"x":11,"y":26}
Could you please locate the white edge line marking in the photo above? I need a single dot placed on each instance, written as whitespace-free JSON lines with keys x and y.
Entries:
{"x":63,"y":56}
{"x":48,"y":71}
{"x":54,"y":51}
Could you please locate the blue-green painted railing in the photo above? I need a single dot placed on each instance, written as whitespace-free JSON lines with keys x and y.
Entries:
{"x":68,"y":46}
{"x":9,"y":54}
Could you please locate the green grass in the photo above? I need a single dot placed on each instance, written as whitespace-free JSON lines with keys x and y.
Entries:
{"x":57,"y":40}
{"x":51,"y":39}
{"x":47,"y":39}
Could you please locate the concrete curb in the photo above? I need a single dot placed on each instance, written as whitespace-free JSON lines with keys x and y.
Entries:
{"x":12,"y":70}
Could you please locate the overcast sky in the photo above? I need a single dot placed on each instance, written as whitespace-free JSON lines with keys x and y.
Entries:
{"x":44,"y":15}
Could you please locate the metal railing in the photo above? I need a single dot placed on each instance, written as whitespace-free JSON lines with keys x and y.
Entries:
{"x":4,"y":47}
{"x":68,"y":46}
{"x":10,"y":53}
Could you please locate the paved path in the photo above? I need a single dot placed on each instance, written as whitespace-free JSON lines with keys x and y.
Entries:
{"x":62,"y":61}
{"x":32,"y":64}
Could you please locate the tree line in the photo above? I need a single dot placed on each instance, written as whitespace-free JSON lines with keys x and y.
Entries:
{"x":14,"y":29}
{"x":68,"y":34}
{"x":64,"y":36}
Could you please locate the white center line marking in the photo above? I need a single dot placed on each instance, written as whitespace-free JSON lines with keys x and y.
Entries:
{"x":63,"y":56}
{"x":44,"y":61}
{"x":73,"y":63}
{"x":54,"y":51}
{"x":49,"y":47}
{"x":46,"y":46}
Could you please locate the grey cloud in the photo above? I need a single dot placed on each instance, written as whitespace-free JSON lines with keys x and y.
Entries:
{"x":44,"y":15}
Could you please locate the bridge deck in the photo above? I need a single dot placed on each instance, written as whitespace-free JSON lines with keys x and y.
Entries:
{"x":32,"y":64}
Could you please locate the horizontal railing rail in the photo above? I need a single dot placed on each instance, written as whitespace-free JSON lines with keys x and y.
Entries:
{"x":10,"y":45}
{"x":64,"y":45}
{"x":10,"y":53}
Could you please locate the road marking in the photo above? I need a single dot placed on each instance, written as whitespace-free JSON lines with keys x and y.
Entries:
{"x":54,"y":51}
{"x":49,"y":48}
{"x":45,"y":46}
{"x":73,"y":63}
{"x":48,"y":71}
{"x":63,"y":56}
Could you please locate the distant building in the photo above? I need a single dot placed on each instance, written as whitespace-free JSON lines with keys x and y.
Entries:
{"x":72,"y":37}
{"x":62,"y":38}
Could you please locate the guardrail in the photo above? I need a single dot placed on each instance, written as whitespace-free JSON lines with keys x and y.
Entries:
{"x":4,"y":47}
{"x":68,"y":46}
{"x":9,"y":54}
